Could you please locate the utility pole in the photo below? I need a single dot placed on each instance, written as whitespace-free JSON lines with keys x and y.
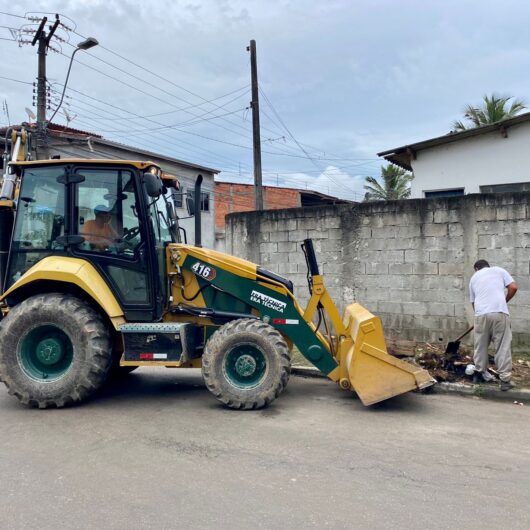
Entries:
{"x":255,"y":126}
{"x":43,"y":41}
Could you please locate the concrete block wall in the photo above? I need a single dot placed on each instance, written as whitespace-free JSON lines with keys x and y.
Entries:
{"x":409,"y":262}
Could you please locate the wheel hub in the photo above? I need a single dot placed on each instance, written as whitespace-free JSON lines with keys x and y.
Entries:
{"x":246,"y":365}
{"x":49,"y":351}
{"x":45,"y":353}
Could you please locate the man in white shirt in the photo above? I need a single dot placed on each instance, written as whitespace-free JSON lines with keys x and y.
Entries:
{"x":492,"y":320}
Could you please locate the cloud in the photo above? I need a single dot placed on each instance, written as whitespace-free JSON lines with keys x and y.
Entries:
{"x":348,"y":79}
{"x":331,"y":181}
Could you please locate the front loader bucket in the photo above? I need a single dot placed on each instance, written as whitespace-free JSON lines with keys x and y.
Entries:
{"x":372,"y":372}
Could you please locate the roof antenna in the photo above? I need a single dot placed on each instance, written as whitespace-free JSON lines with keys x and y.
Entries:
{"x":68,"y":117}
{"x":6,"y":112}
{"x":31,"y":114}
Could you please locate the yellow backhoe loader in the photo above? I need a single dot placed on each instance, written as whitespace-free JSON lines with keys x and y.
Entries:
{"x":96,"y":280}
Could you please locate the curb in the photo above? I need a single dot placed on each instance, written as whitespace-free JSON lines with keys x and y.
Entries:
{"x":483,"y":391}
{"x":307,"y":371}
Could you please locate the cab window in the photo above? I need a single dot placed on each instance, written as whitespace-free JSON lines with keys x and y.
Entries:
{"x":39,"y":220}
{"x":107,"y":213}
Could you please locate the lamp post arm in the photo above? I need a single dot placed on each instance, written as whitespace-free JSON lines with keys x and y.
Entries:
{"x":64,"y":87}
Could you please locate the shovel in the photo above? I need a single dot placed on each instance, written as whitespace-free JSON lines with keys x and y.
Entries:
{"x":452,"y":347}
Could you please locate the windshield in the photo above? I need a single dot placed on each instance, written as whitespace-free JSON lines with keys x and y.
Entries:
{"x":164,"y":219}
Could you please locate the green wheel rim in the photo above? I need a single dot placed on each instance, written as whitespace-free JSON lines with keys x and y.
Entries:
{"x":245,"y":366}
{"x":45,"y":353}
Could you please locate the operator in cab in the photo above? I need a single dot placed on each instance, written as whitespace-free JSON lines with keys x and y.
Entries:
{"x":99,"y":231}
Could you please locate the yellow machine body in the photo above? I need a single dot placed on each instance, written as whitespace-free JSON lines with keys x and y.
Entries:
{"x":351,"y":351}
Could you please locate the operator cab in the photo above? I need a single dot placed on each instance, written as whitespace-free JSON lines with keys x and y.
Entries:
{"x":118,"y":216}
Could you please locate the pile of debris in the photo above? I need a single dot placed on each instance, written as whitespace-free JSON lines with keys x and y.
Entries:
{"x":446,"y":364}
{"x":442,"y":364}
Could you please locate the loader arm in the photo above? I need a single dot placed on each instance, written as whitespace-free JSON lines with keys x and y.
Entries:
{"x":360,"y":350}
{"x":357,"y":358}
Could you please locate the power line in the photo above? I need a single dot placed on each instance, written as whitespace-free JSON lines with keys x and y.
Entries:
{"x":180,"y":87}
{"x":205,"y":101}
{"x":147,"y":93}
{"x":166,"y":80}
{"x":16,"y":80}
{"x":151,"y":72}
{"x":152,"y":85}
{"x":274,"y":153}
{"x":11,"y":14}
{"x":176,"y":125}
{"x":191,"y":106}
{"x":168,"y":141}
{"x":298,"y":183}
{"x":146,"y":119}
{"x":294,"y":139}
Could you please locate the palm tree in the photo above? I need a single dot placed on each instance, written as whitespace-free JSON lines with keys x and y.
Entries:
{"x":494,"y":109}
{"x":395,"y":185}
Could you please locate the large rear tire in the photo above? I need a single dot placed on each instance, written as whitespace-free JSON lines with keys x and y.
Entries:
{"x":54,"y":350}
{"x":246,"y":364}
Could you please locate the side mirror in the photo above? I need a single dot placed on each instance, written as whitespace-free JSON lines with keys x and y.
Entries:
{"x":190,"y":204}
{"x":153,"y":185}
{"x":170,"y":212}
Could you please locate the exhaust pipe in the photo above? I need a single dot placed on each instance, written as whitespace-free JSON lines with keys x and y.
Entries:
{"x":197,"y":211}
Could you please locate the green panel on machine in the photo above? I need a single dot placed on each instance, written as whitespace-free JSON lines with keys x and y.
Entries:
{"x":274,"y":307}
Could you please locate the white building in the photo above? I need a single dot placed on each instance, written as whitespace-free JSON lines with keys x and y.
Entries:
{"x":486,"y":159}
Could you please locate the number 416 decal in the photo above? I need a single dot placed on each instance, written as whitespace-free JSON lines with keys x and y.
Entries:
{"x":204,"y":271}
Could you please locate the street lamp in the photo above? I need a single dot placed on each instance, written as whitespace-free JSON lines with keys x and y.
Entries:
{"x":88,"y":43}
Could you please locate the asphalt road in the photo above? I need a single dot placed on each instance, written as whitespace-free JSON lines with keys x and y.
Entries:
{"x":157,"y":451}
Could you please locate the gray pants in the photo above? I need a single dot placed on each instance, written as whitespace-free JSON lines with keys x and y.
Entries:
{"x":496,"y":328}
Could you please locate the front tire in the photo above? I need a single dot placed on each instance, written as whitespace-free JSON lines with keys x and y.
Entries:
{"x":54,"y":350}
{"x":246,"y":364}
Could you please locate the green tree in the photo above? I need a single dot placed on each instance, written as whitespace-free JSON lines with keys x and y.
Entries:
{"x":395,"y":185}
{"x":494,"y":108}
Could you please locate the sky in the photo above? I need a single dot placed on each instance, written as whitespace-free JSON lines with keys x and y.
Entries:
{"x":339,"y":80}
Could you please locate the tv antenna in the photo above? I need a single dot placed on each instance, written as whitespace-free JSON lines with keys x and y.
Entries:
{"x":68,"y":117}
{"x":31,"y":114}
{"x":6,"y":111}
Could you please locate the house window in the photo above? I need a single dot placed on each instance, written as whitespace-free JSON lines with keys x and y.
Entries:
{"x":205,"y":200}
{"x":454,"y":192}
{"x":506,"y":188}
{"x":177,"y":198}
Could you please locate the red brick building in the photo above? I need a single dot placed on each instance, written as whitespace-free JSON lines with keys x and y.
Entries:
{"x":233,"y":197}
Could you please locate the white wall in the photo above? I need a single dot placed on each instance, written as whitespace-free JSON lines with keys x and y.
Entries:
{"x":473,"y":162}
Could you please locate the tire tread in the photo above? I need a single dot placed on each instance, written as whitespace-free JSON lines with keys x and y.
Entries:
{"x":92,"y":330}
{"x":214,"y":347}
